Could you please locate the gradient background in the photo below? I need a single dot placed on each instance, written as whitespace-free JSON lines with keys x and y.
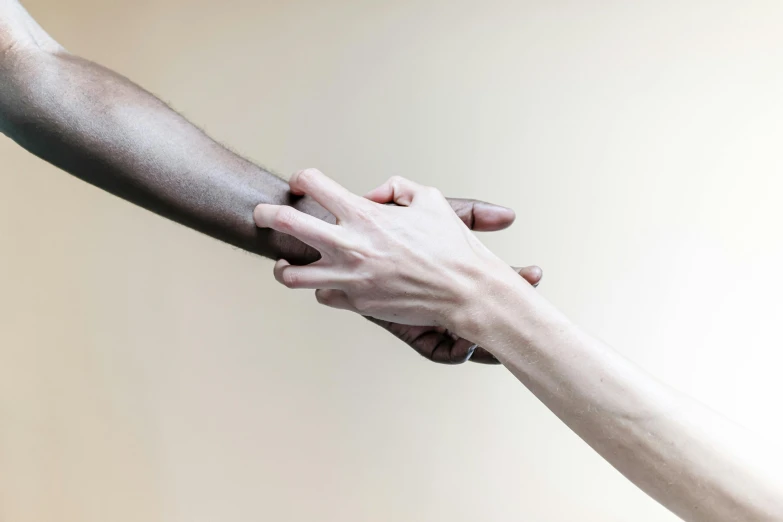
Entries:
{"x":150,"y":373}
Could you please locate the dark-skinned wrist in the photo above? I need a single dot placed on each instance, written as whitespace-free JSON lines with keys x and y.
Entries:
{"x":282,"y":246}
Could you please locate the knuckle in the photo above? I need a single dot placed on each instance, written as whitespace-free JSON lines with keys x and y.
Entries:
{"x":355,"y":258}
{"x":360,"y":303}
{"x":365,"y":213}
{"x":433,"y":192}
{"x":352,"y":303}
{"x":325,"y":297}
{"x":457,"y":357}
{"x":307,"y":176}
{"x":284,"y":219}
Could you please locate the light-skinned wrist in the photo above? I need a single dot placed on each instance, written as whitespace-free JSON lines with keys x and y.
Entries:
{"x":490,"y":289}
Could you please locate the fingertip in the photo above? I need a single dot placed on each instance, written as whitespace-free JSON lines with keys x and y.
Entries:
{"x":259,"y":215}
{"x":305,"y":179}
{"x":293,"y":184}
{"x":325,"y":296}
{"x":373,"y":195}
{"x":489,"y":217}
{"x":381,"y":194}
{"x":280,"y":265}
{"x":336,"y":299}
{"x":532,"y":274}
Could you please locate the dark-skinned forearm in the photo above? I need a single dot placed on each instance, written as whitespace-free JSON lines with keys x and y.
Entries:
{"x":103,"y":129}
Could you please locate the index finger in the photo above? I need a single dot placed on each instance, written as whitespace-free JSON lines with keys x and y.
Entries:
{"x":328,"y":193}
{"x":309,"y":230}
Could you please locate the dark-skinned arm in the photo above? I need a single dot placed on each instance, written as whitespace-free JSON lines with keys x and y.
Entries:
{"x":104,"y":129}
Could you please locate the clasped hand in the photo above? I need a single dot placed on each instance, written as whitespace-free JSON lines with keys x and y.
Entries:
{"x":400,"y":254}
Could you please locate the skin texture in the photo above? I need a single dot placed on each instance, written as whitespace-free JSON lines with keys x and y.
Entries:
{"x":692,"y":460}
{"x":107,"y":131}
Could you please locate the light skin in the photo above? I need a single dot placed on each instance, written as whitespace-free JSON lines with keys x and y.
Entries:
{"x":109,"y":132}
{"x":415,"y":263}
{"x":104,"y":129}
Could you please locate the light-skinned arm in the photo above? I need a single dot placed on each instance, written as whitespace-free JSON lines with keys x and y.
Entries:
{"x":691,"y":459}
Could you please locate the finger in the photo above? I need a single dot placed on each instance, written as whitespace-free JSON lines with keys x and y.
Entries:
{"x":435,"y":344}
{"x":482,"y":356}
{"x":397,"y":190}
{"x":531,"y":274}
{"x":310,"y":230}
{"x":481,"y":216}
{"x":450,"y":351}
{"x":334,"y":299}
{"x":328,"y":193}
{"x":309,"y":276}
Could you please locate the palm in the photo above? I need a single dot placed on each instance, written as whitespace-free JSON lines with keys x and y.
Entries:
{"x":440,"y":345}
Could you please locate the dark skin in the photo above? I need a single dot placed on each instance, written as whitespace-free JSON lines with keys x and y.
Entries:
{"x":111,"y":133}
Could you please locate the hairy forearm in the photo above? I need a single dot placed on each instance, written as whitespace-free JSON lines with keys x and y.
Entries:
{"x":102,"y":128}
{"x":692,"y":460}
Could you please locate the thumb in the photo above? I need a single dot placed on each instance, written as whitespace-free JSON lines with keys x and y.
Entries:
{"x":531,"y":274}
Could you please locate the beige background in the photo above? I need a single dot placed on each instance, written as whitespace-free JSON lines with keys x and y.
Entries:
{"x":149,"y":373}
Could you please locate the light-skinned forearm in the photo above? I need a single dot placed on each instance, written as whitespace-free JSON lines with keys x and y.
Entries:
{"x":691,"y":459}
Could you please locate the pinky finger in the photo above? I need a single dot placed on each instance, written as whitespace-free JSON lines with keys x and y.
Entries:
{"x":482,"y":356}
{"x":335,"y":299}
